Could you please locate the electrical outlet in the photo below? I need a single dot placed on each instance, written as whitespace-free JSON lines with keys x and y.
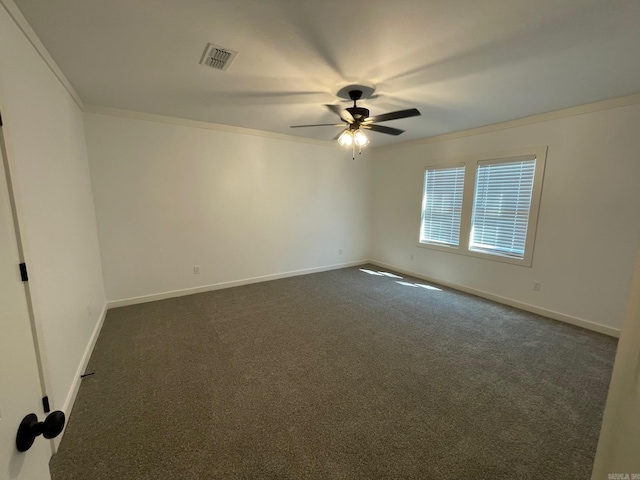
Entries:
{"x":536,"y":286}
{"x":196,"y":269}
{"x":412,"y":257}
{"x":340,"y":252}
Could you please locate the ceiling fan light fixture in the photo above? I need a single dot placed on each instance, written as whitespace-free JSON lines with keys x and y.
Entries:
{"x":353,"y":138}
{"x":360,"y":138}
{"x":346,"y":139}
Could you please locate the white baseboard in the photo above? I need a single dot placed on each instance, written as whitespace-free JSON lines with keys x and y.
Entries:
{"x":596,"y":327}
{"x":75,"y":386}
{"x":218,"y":286}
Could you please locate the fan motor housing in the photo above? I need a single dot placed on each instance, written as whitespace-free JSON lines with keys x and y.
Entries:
{"x":359,"y":113}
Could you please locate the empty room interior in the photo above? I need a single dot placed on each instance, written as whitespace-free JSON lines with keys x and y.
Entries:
{"x":320,"y":240}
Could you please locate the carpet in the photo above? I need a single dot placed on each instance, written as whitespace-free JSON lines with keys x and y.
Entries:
{"x":347,"y":374}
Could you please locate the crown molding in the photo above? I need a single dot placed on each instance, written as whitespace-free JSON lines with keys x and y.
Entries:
{"x":15,"y":13}
{"x":150,"y":117}
{"x":609,"y":104}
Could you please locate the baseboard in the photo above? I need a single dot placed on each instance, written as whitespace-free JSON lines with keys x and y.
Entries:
{"x":236,"y":283}
{"x":75,"y":386}
{"x":579,"y":322}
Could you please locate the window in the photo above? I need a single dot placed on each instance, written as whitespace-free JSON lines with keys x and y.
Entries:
{"x":442,"y":205}
{"x":492,"y":213}
{"x":501,"y":207}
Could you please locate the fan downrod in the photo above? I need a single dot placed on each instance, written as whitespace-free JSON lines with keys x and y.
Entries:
{"x":359,"y":114}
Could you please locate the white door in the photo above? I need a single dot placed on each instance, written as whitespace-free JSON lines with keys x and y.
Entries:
{"x":20,"y":391}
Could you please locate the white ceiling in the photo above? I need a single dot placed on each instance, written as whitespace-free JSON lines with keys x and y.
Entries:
{"x":462,"y":63}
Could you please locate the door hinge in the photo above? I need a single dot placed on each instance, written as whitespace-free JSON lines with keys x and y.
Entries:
{"x":23,"y":272}
{"x":45,"y":404}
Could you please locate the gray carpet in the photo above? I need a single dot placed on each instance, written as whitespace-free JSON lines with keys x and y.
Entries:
{"x":337,"y":375}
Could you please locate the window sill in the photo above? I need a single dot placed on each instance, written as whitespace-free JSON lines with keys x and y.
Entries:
{"x":522,"y":262}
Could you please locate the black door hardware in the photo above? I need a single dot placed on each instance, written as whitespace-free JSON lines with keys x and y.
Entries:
{"x":30,"y":428}
{"x":24,"y":276}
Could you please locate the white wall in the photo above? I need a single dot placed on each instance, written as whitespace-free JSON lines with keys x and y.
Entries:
{"x":618,"y":445}
{"x":588,"y":227}
{"x":47,"y":155}
{"x":169,"y":197}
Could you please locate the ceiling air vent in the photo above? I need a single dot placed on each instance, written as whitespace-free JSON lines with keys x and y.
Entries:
{"x":217,"y":57}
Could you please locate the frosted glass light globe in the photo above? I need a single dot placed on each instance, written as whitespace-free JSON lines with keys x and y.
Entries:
{"x":346,"y":139}
{"x":360,"y":138}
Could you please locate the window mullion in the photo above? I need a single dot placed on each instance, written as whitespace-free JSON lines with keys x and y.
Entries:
{"x":467,"y":206}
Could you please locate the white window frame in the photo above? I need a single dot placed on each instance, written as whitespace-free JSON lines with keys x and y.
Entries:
{"x":471,"y":166}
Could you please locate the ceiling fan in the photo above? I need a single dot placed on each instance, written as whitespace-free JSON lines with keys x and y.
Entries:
{"x":357,"y":119}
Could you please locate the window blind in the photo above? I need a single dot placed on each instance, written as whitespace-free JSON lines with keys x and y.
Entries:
{"x":442,"y":205}
{"x":501,"y":208}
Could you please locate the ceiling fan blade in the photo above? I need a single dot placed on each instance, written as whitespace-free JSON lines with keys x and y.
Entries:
{"x":383,"y":129}
{"x":320,"y":125}
{"x":342,"y":113}
{"x":385,"y":117}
